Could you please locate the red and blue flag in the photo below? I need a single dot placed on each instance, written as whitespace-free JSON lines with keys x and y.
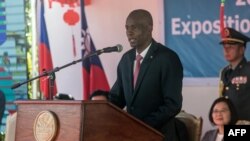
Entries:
{"x":45,"y":59}
{"x":94,"y":77}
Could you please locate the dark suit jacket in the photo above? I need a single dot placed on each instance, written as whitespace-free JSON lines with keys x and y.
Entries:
{"x":210,"y":135}
{"x":157,"y":96}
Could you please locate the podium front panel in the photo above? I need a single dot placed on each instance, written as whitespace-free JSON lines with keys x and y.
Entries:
{"x":68,"y":114}
{"x":105,"y":122}
{"x":82,"y":121}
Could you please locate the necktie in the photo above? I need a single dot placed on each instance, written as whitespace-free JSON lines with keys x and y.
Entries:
{"x":137,"y":68}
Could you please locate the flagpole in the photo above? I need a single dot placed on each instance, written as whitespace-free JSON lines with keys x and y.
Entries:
{"x":222,"y":4}
{"x":34,"y":85}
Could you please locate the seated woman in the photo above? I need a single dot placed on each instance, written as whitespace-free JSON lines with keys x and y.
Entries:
{"x":222,"y":112}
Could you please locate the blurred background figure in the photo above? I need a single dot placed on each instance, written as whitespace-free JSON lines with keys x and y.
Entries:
{"x":62,"y":96}
{"x":2,"y":105}
{"x":6,"y":61}
{"x":222,"y":112}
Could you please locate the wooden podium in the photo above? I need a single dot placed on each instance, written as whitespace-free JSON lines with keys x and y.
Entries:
{"x":81,"y":121}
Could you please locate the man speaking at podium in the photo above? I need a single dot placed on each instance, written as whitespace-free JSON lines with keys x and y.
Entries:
{"x":149,"y":77}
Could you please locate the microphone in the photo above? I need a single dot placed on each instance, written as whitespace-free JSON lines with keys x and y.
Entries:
{"x":117,"y":48}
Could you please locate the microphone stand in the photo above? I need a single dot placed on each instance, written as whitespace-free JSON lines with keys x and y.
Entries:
{"x":51,"y":74}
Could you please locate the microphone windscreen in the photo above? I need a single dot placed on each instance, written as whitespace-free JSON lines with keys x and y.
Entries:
{"x":119,"y":47}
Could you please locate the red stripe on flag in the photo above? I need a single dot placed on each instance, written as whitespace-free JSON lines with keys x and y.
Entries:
{"x":96,"y":80}
{"x":87,"y":2}
{"x":86,"y":84}
{"x":45,"y":60}
{"x":222,"y":19}
{"x":45,"y":64}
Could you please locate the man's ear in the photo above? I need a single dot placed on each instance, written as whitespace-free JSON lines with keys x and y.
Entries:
{"x":242,"y":48}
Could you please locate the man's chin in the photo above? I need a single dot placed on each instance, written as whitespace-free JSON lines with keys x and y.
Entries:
{"x":133,"y":45}
{"x":229,"y":60}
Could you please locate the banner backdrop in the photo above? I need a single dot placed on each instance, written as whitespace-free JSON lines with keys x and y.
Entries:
{"x":192,"y":29}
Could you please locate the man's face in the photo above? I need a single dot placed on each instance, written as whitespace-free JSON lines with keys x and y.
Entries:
{"x":138,"y":32}
{"x":233,"y":51}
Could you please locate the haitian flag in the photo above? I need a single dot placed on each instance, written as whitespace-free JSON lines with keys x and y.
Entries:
{"x":94,"y":77}
{"x":45,"y":60}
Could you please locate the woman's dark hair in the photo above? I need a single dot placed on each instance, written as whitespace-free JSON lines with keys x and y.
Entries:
{"x":62,"y":96}
{"x":233,"y":113}
{"x":99,"y":93}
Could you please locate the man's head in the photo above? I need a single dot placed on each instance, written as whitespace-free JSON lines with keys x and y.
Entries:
{"x":61,"y":96}
{"x":139,"y":27}
{"x":99,"y":95}
{"x":234,"y":44}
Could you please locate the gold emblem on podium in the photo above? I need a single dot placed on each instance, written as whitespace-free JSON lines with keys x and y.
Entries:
{"x":45,"y":126}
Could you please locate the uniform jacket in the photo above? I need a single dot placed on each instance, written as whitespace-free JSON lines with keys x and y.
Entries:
{"x":157,"y":96}
{"x":236,"y":86}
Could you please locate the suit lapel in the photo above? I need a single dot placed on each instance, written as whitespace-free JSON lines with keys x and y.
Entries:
{"x":131,"y":72}
{"x":214,"y":134}
{"x":144,"y":66}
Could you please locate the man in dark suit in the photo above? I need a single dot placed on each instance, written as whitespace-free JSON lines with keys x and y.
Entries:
{"x":235,"y":78}
{"x":150,"y":86}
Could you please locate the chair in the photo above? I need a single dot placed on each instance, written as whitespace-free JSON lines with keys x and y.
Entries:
{"x":243,"y":122}
{"x":193,"y":124}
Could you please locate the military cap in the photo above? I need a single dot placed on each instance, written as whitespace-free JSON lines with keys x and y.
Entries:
{"x":233,"y":36}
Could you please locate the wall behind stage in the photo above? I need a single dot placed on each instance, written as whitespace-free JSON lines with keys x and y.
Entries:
{"x":106,"y":22}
